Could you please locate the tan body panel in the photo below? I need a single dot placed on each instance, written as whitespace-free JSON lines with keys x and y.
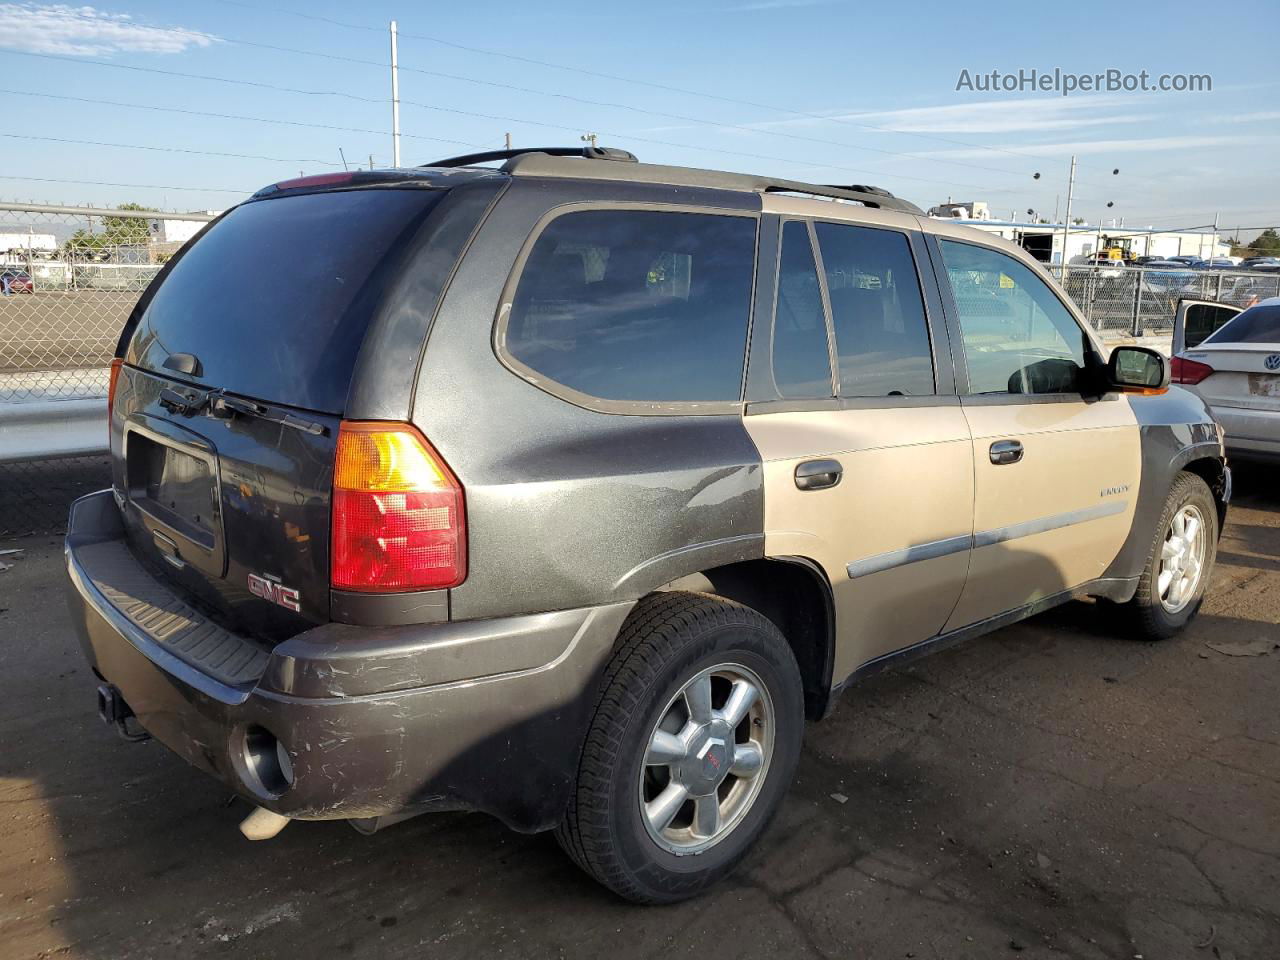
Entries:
{"x":908,"y":480}
{"x":1081,"y":469}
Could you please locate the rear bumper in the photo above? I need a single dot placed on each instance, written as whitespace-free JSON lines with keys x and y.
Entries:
{"x":481,"y":715}
{"x":1250,"y":434}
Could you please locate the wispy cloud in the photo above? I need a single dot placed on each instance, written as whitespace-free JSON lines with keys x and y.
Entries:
{"x":776,"y":5}
{"x":1265,"y":116}
{"x":989,"y":116}
{"x":1082,"y":147}
{"x":88,"y":32}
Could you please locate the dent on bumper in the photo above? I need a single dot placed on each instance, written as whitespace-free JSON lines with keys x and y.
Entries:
{"x":484,"y":715}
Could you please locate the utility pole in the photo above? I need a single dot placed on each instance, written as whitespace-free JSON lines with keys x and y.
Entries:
{"x":589,"y":138}
{"x":395,"y":99}
{"x":1066,"y":221}
{"x":508,"y":140}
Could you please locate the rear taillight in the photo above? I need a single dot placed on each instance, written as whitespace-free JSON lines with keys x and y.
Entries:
{"x":398,"y":518}
{"x":1182,"y":370}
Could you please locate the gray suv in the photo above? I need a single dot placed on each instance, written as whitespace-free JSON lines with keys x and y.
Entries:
{"x":568,"y":491}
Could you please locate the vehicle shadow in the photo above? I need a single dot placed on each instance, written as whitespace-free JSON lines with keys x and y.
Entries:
{"x":922,"y":815}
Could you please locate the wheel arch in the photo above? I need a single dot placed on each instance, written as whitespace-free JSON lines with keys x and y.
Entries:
{"x":1212,"y":469}
{"x":792,"y":592}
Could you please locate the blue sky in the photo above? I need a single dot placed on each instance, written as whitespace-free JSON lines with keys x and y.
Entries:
{"x":824,"y":91}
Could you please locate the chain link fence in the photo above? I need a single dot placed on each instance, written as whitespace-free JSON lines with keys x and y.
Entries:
{"x":69,"y":278}
{"x":1139,"y":300}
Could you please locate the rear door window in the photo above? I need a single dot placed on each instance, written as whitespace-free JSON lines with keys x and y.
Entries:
{"x":274,"y":300}
{"x":636,"y":305}
{"x":801,"y":353}
{"x":882,"y":337}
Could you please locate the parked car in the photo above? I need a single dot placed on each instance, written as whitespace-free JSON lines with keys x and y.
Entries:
{"x":1230,"y":356}
{"x":15,"y":281}
{"x":567,"y":491}
{"x":1189,"y":261}
{"x":1253,"y":263}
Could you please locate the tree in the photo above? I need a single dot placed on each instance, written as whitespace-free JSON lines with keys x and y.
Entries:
{"x":1267,"y":243}
{"x":116,"y":231}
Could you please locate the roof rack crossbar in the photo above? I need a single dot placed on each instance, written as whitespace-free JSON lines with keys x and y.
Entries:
{"x":589,"y":153}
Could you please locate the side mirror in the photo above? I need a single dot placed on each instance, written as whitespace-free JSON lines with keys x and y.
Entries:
{"x":1137,"y":368}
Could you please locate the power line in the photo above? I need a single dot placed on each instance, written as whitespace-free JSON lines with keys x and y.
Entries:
{"x":139,"y":146}
{"x":633,"y":80}
{"x":132,"y":186}
{"x":526,"y":90}
{"x":221,"y":116}
{"x":580,"y":70}
{"x":476,"y":115}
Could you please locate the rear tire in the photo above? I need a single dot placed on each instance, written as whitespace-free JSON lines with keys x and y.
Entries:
{"x":1179,"y":562}
{"x":700,"y":717}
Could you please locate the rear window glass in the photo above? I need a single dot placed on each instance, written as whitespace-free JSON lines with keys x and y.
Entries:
{"x":1259,"y":324}
{"x":637,"y":305}
{"x":275,"y":299}
{"x":882,"y":338}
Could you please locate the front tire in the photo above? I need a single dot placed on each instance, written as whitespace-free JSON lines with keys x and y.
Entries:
{"x":1180,"y":561}
{"x":693,"y":744}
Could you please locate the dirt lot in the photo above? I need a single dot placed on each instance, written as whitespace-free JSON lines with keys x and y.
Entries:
{"x":1052,"y":790}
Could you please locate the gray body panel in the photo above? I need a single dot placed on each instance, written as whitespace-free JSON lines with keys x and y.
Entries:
{"x":377,"y":720}
{"x":565,"y":503}
{"x":1177,"y":431}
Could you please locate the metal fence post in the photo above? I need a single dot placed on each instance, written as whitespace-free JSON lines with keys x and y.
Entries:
{"x":1136,"y":327}
{"x":1217,"y":287}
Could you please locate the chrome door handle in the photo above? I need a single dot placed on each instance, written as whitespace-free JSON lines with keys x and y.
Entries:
{"x":818,"y":474}
{"x":1006,"y":451}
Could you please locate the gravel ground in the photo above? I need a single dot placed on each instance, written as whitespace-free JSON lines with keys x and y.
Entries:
{"x":1051,"y":790}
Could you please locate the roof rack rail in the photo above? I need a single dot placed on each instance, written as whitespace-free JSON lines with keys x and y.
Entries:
{"x":588,"y":153}
{"x":867,"y":196}
{"x":550,"y":162}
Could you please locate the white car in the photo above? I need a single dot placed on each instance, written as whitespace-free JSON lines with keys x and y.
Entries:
{"x":1230,"y":356}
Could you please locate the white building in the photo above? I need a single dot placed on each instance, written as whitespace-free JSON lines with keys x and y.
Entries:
{"x":177,"y":231}
{"x":28,"y":243}
{"x":1044,"y":241}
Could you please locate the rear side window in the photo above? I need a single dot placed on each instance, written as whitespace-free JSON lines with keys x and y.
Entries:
{"x":801,"y":360}
{"x":1259,"y":324}
{"x":637,"y":305}
{"x":882,"y":337}
{"x":274,"y":300}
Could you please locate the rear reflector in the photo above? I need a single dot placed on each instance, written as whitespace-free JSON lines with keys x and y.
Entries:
{"x":112,"y":378}
{"x":1182,"y":370}
{"x":398,"y":518}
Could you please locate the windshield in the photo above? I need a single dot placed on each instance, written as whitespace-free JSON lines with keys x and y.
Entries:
{"x":1260,"y":324}
{"x":275,"y":298}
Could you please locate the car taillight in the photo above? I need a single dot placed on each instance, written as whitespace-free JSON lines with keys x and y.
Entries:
{"x":398,"y":518}
{"x":1182,"y":370}
{"x":113,"y":377}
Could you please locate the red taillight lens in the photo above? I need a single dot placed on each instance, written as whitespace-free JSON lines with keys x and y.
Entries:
{"x":398,"y":518}
{"x":1182,"y":370}
{"x":316,"y":180}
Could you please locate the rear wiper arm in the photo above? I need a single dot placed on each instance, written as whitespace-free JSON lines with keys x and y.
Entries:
{"x":223,"y":407}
